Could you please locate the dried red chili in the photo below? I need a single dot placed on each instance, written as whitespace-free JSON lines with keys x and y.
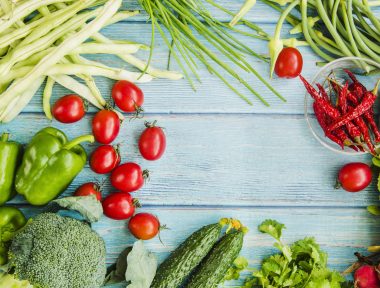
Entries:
{"x":321,"y":118}
{"x":327,"y":107}
{"x":367,"y":103}
{"x":364,"y":130}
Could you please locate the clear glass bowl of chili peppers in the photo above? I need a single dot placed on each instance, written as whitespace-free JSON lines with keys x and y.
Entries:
{"x":340,"y":106}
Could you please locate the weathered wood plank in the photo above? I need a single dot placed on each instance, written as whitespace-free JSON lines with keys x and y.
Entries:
{"x":249,"y":160}
{"x":340,"y":232}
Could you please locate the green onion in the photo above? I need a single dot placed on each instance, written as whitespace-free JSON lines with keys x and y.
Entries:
{"x":188,"y":21}
{"x":248,"y":4}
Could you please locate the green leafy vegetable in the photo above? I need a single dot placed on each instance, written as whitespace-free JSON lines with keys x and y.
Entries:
{"x":142,"y":266}
{"x":374,"y":210}
{"x":90,"y":208}
{"x":116,"y":273}
{"x":301,"y":265}
{"x":238,"y":266}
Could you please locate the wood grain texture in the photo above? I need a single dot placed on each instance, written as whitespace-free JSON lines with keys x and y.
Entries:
{"x":250,"y":160}
{"x":225,"y":158}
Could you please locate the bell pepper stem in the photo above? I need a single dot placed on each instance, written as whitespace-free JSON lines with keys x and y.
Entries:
{"x":78,"y":140}
{"x":4,"y":137}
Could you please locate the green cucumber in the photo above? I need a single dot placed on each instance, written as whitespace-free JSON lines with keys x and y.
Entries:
{"x":178,"y":266}
{"x":214,"y":266}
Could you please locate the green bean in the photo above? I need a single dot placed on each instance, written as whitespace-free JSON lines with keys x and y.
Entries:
{"x":360,"y":41}
{"x":48,"y":91}
{"x":22,"y":10}
{"x":20,"y":85}
{"x":331,"y":29}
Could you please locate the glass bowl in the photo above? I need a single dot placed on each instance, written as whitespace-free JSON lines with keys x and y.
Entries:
{"x":359,"y":67}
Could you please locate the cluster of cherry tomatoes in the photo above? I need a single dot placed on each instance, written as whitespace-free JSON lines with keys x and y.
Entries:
{"x":127,"y":177}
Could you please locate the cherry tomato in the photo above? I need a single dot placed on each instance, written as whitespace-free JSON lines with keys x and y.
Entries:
{"x":127,"y":96}
{"x":354,"y":177}
{"x":104,"y":159}
{"x":128,"y":177}
{"x":105,"y":126}
{"x":69,"y":109}
{"x":144,"y":226}
{"x":289,"y":63}
{"x":90,"y":188}
{"x":152,"y":143}
{"x":119,"y":205}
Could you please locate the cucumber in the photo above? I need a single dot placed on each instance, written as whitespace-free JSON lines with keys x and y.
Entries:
{"x":178,"y":266}
{"x":215,"y":265}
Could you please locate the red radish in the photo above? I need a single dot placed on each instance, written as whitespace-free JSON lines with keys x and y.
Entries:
{"x":366,"y":277}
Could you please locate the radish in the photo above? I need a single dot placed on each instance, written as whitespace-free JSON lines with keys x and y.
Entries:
{"x":366,"y":277}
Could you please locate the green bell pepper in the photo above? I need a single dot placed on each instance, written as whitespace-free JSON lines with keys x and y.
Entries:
{"x":49,"y":165}
{"x":11,"y":220}
{"x":10,"y":157}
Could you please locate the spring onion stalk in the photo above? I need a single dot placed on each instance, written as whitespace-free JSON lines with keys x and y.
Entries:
{"x":248,"y":4}
{"x":18,"y":86}
{"x":46,"y":96}
{"x":176,"y":16}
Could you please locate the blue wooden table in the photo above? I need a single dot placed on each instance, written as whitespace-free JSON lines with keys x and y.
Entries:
{"x":227,"y":159}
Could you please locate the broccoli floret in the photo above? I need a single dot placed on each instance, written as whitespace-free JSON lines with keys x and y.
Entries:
{"x":58,"y":252}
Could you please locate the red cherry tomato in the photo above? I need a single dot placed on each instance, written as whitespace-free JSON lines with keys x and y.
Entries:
{"x":105,"y":126}
{"x":354,"y":177}
{"x":90,"y":188}
{"x":69,"y":109}
{"x":152,"y":143}
{"x":119,"y":206}
{"x":104,"y":159}
{"x":127,"y":96}
{"x":128,"y":177}
{"x":144,"y":226}
{"x":289,"y":63}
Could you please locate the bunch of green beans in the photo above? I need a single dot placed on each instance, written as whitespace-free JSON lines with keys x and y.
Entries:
{"x":46,"y":39}
{"x":334,"y":28}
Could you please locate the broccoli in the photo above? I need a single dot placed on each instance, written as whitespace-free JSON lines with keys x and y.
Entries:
{"x":8,"y":281}
{"x":58,"y":252}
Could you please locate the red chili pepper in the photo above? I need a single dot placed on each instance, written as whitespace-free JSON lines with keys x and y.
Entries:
{"x":352,"y":129}
{"x":368,"y":115}
{"x":357,"y":87}
{"x":367,"y":138}
{"x":322,"y":91}
{"x":321,"y":118}
{"x":324,"y":103}
{"x":359,"y":110}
